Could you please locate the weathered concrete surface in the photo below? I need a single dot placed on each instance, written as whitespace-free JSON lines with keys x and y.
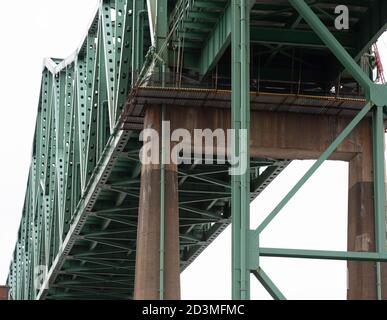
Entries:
{"x":280,"y":135}
{"x":4,"y":293}
{"x":148,"y":232}
{"x":361,"y":223}
{"x":291,"y":136}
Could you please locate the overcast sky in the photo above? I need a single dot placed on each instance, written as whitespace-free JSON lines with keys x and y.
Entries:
{"x":314,"y":219}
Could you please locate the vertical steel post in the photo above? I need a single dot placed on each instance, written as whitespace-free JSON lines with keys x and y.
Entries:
{"x":162,"y":194}
{"x":379,"y":190}
{"x":235,"y":123}
{"x":245,"y":147}
{"x":240,"y":183}
{"x":379,"y":281}
{"x":162,"y":203}
{"x":137,"y":53}
{"x":161,"y":35}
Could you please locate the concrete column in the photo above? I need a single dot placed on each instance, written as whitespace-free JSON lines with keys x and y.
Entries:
{"x":276,"y":135}
{"x":361,"y":223}
{"x":148,"y":232}
{"x":4,"y":293}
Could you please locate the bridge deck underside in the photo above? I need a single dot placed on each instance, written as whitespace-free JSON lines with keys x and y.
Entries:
{"x":99,"y":261}
{"x":262,"y":101}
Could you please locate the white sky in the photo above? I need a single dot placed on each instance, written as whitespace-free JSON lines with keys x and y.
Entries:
{"x":314,"y":219}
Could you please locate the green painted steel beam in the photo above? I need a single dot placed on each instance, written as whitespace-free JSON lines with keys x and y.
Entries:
{"x":204,"y":15}
{"x":108,"y":56}
{"x":162,"y":203}
{"x":268,"y":284}
{"x":123,"y":49}
{"x":240,"y":122}
{"x":321,"y":254}
{"x":196,"y":25}
{"x":139,"y":14}
{"x":325,"y":156}
{"x":193,"y":35}
{"x":219,"y":40}
{"x":337,"y":49}
{"x":201,"y":212}
{"x":93,"y":55}
{"x":210,"y":4}
{"x":161,"y":36}
{"x":379,"y":191}
{"x":213,"y":181}
{"x":379,"y":179}
{"x":303,"y":38}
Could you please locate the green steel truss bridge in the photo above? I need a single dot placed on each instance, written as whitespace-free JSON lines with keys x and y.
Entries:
{"x":78,"y":234}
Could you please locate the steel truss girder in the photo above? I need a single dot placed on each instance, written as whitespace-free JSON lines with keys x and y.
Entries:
{"x":69,"y":147}
{"x":220,"y":39}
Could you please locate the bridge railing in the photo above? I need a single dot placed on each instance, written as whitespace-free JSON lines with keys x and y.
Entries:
{"x":257,"y":85}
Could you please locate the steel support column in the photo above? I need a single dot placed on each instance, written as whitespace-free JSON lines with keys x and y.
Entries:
{"x":138,"y":26}
{"x":161,"y":35}
{"x":379,"y":193}
{"x":240,"y":182}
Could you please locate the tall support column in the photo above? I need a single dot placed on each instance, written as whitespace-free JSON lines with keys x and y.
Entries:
{"x":379,"y":194}
{"x":4,"y":293}
{"x":240,"y":182}
{"x":147,"y":282}
{"x":362,"y":236}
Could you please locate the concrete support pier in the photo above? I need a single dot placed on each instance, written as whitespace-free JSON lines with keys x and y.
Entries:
{"x":362,"y":278}
{"x":4,"y":293}
{"x":280,"y":135}
{"x":147,"y":280}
